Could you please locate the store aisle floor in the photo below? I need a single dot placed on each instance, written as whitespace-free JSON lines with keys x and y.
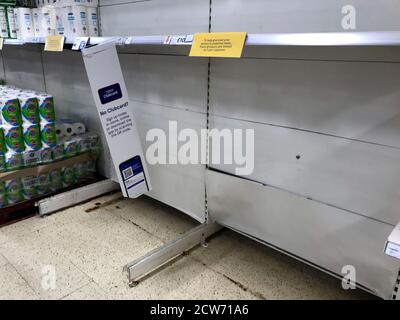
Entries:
{"x":85,"y":248}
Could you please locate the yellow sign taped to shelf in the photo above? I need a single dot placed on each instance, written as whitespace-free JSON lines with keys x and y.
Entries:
{"x":218,"y":44}
{"x":1,"y":43}
{"x":54,"y":43}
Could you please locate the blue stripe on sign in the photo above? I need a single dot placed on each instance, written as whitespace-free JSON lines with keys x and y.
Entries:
{"x":135,"y":184}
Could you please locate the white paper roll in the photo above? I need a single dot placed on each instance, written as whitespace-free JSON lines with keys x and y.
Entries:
{"x":77,"y":21}
{"x":61,"y":22}
{"x":64,"y":130}
{"x":24,"y":22}
{"x":3,"y":23}
{"x":78,"y":128}
{"x":48,"y":21}
{"x":38,"y":22}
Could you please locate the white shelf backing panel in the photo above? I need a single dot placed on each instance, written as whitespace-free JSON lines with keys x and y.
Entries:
{"x":359,"y":177}
{"x":180,"y":186}
{"x":164,"y":88}
{"x":325,"y":236}
{"x":170,"y":81}
{"x":286,"y":16}
{"x":155,"y":17}
{"x":23,"y":67}
{"x":357,"y":100}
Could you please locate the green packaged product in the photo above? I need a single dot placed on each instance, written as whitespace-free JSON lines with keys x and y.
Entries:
{"x":48,"y":134}
{"x":46,"y":108}
{"x":58,"y":151}
{"x":84,"y":143}
{"x":46,"y":155}
{"x":56,"y":180}
{"x":13,"y":161}
{"x":32,"y":138}
{"x":13,"y":138}
{"x":3,"y":23}
{"x":31,"y":158}
{"x":80,"y":172}
{"x":12,"y":30}
{"x":10,"y":111}
{"x":29,"y":109}
{"x":2,"y":163}
{"x":3,"y":200}
{"x":2,"y":142}
{"x":70,"y":148}
{"x":13,"y":190}
{"x":44,"y":183}
{"x":29,"y":187}
{"x":68,"y":176}
{"x":90,"y":168}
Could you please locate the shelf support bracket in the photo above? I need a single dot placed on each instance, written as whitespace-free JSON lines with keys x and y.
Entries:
{"x":154,"y":260}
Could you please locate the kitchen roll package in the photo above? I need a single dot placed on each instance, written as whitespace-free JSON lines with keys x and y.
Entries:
{"x":24,"y":23}
{"x":77,"y":25}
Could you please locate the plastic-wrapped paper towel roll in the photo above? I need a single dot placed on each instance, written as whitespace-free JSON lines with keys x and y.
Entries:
{"x":10,"y":111}
{"x":46,"y":108}
{"x":13,"y":161}
{"x":78,"y":128}
{"x":48,"y":21}
{"x":61,"y":22}
{"x":29,"y":109}
{"x":93,"y":21}
{"x":48,"y":134}
{"x":37,"y":15}
{"x":63,"y":130}
{"x":12,"y":28}
{"x":77,"y":21}
{"x":24,"y":23}
{"x":32,"y":136}
{"x":3,"y":23}
{"x":13,"y":138}
{"x":66,"y":129}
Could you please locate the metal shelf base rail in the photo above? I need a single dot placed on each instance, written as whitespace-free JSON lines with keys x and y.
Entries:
{"x":75,"y":196}
{"x":154,"y":260}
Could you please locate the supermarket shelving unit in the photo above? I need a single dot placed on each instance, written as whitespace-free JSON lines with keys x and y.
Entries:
{"x":155,"y":259}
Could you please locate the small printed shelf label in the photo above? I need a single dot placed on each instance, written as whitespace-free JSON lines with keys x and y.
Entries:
{"x":392,"y":247}
{"x":178,"y":40}
{"x":54,"y":43}
{"x":218,"y":44}
{"x":80,"y":43}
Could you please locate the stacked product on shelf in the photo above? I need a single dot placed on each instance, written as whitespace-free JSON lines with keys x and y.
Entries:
{"x":41,"y":18}
{"x":33,"y":161}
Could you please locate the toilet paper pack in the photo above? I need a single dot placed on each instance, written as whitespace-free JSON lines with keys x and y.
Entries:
{"x":32,"y":136}
{"x":10,"y":111}
{"x":29,"y":109}
{"x":13,"y":138}
{"x":13,"y":161}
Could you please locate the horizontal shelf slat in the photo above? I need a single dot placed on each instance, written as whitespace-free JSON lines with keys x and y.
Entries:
{"x":382,"y":38}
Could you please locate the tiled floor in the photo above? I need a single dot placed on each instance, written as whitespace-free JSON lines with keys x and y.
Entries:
{"x":85,"y":248}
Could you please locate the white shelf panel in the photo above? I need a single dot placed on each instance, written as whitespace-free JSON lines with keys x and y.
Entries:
{"x":382,"y":38}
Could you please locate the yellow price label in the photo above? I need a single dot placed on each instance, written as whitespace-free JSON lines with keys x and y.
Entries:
{"x":218,"y":44}
{"x":54,"y":43}
{"x":1,"y":43}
